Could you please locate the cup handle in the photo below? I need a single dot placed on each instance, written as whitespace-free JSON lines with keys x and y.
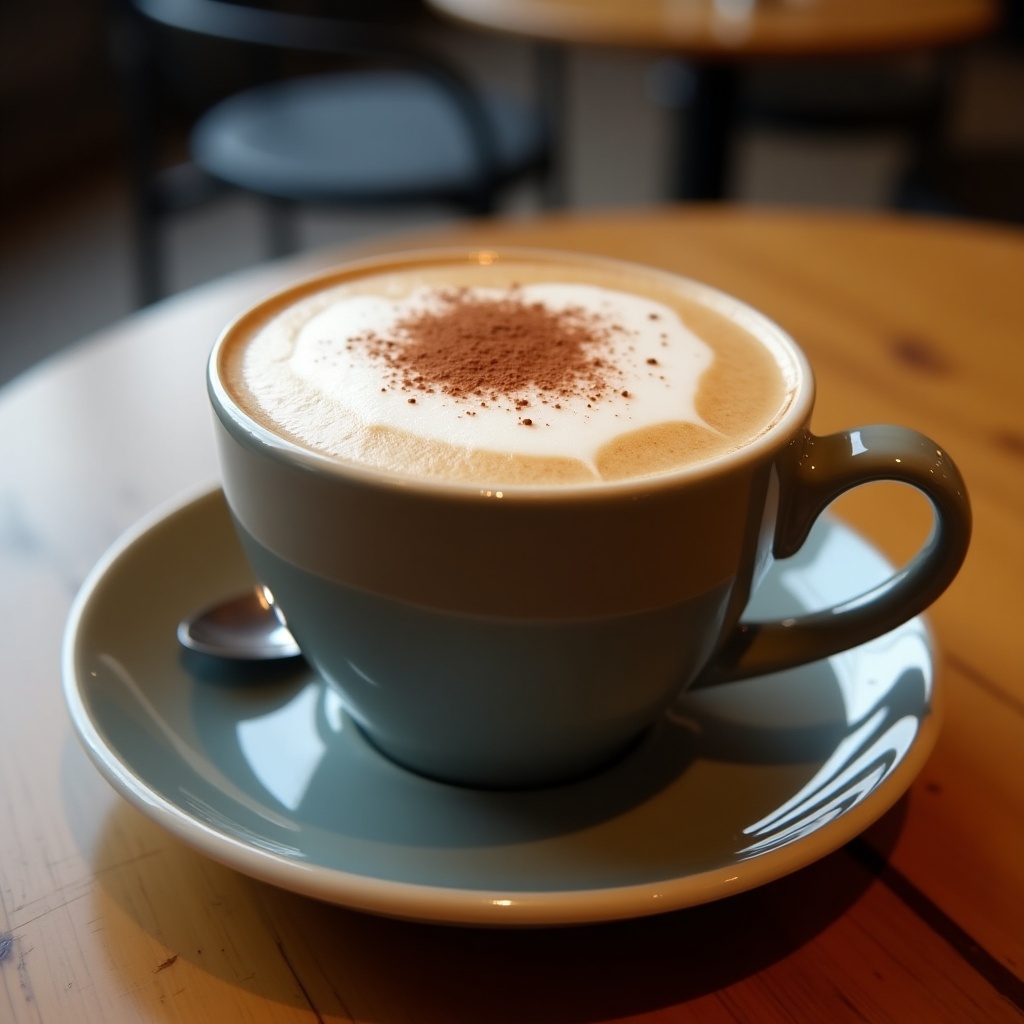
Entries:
{"x":816,"y":471}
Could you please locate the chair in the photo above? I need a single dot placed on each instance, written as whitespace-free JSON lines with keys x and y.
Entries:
{"x":383,"y":123}
{"x":982,"y":180}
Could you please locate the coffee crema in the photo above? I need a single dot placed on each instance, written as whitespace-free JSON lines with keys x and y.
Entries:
{"x":508,"y":371}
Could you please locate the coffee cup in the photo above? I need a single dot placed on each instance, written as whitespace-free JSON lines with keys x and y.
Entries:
{"x":512,"y":503}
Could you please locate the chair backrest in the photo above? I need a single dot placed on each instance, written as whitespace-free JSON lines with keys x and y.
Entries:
{"x":358,"y":39}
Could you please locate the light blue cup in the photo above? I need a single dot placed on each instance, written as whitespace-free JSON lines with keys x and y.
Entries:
{"x":526,"y":636}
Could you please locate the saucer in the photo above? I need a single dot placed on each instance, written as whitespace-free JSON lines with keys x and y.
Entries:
{"x":261,"y":768}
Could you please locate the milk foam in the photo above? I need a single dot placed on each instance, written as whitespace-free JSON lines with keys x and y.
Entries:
{"x":309,"y":374}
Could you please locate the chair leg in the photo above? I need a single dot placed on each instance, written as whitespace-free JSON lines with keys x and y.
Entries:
{"x":550,"y":60}
{"x":282,"y":229}
{"x":916,"y":187}
{"x":149,"y":269}
{"x":707,"y":129}
{"x":147,"y":193}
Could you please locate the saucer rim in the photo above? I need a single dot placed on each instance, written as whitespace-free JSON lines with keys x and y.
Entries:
{"x":439,"y":904}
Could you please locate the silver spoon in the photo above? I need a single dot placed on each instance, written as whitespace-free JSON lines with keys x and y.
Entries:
{"x":242,"y":628}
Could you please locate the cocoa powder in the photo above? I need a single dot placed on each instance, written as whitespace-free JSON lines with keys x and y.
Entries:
{"x":488,"y":349}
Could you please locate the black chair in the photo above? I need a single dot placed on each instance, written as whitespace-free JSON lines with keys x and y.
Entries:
{"x":373,"y":119}
{"x":970,"y":180}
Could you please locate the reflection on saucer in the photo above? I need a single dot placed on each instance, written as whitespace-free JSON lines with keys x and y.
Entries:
{"x":284,"y":748}
{"x":858,"y":766}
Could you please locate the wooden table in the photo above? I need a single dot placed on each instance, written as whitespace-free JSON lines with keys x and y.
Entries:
{"x":105,"y":918}
{"x":718,"y":37}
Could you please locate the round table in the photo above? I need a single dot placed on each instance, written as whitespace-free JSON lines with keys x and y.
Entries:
{"x":718,"y":37}
{"x":106,"y":917}
{"x":723,"y":29}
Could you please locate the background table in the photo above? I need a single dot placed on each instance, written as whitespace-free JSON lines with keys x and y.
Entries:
{"x":736,"y":28}
{"x":719,"y":37}
{"x":106,"y":918}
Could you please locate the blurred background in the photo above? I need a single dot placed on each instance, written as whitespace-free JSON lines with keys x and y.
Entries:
{"x":68,"y":242}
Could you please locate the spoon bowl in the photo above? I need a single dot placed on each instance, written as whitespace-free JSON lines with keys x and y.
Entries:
{"x":241,"y":628}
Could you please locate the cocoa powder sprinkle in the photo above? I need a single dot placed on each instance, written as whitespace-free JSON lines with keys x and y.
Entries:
{"x":473,"y":347}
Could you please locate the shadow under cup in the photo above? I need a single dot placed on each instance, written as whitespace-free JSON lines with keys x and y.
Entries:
{"x":526,"y":636}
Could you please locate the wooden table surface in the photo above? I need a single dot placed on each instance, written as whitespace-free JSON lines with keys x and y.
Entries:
{"x":104,"y":917}
{"x":736,"y":28}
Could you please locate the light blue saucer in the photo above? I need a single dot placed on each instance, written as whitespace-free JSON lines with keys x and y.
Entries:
{"x":264,"y":771}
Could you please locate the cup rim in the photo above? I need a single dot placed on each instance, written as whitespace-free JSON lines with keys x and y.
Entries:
{"x":793,"y":417}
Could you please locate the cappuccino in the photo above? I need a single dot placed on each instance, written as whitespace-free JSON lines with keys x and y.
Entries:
{"x":511,"y":504}
{"x":501,"y":371}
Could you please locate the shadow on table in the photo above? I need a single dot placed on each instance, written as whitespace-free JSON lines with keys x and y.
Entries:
{"x":301,"y":953}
